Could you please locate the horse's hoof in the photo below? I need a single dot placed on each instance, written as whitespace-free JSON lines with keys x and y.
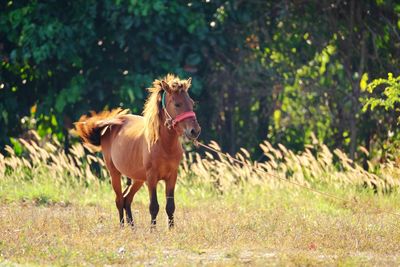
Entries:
{"x":132,"y":226}
{"x":171,"y":224}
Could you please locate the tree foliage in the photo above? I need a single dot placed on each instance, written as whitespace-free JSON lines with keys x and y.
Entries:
{"x":61,"y":59}
{"x":387,"y":97}
{"x":390,"y":96}
{"x":272,"y":70}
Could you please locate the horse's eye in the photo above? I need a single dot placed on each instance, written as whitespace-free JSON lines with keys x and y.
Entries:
{"x":177,"y":105}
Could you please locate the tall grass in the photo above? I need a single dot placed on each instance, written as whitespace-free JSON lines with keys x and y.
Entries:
{"x":315,"y":166}
{"x":45,"y":174}
{"x":50,"y":160}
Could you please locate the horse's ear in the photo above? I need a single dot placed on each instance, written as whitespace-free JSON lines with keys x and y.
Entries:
{"x":165,"y":86}
{"x":189,"y":82}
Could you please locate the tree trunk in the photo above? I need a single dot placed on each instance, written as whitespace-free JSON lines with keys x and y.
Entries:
{"x":231,"y":121}
{"x":66,"y":140}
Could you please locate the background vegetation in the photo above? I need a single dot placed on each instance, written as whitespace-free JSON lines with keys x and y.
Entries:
{"x":307,"y":91}
{"x":276,"y":70}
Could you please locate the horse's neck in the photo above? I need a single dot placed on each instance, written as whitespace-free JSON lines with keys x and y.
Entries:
{"x":169,"y":139}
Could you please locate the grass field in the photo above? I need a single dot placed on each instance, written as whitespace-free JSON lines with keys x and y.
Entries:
{"x":226,"y":215}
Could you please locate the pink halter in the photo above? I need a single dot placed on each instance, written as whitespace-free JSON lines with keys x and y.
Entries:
{"x":183,"y":116}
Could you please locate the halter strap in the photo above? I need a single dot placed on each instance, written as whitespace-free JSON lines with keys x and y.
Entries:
{"x":184,"y":116}
{"x":163,"y":100}
{"x":170,"y":122}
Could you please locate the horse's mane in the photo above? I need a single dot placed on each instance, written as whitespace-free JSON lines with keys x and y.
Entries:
{"x":152,"y":108}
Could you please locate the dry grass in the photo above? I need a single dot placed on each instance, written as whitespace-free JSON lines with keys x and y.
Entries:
{"x":55,"y":211}
{"x":218,"y":232}
{"x":317,"y":165}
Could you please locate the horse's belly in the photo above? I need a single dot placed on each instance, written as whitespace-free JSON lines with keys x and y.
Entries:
{"x":129,"y":163}
{"x":137,"y":174}
{"x":127,"y":154}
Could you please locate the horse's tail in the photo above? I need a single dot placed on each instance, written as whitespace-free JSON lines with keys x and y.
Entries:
{"x":91,"y":128}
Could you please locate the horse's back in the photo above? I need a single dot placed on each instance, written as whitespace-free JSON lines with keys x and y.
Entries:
{"x":132,"y":121}
{"x":126,"y":146}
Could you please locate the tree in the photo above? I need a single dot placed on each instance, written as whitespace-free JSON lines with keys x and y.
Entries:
{"x":387,"y":96}
{"x":261,"y":69}
{"x":61,"y":59}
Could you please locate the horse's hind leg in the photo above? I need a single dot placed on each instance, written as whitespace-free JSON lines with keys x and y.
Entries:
{"x":119,"y":199}
{"x":128,"y":186}
{"x":115,"y":176}
{"x":129,"y":193}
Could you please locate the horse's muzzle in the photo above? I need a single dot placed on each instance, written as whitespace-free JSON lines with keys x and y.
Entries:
{"x":193,"y":133}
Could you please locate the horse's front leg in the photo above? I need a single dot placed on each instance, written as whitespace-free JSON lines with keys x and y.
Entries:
{"x":153,"y":207}
{"x":169,"y":193}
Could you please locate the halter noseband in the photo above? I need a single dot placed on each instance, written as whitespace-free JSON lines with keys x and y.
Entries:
{"x":170,"y":122}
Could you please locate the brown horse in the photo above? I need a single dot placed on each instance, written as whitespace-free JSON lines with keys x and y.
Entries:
{"x":144,"y":148}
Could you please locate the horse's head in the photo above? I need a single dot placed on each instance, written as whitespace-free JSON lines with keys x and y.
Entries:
{"x":178,"y":107}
